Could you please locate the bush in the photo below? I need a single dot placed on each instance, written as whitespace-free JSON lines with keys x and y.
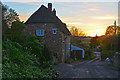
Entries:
{"x":107,"y":53}
{"x":93,"y":55}
{"x":47,"y":53}
{"x":33,"y":46}
{"x":59,"y":58}
{"x":75,"y":59}
{"x":55,"y":54}
{"x":89,"y":54}
{"x":16,"y":63}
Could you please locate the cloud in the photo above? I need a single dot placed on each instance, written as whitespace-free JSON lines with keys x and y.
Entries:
{"x":93,"y":9}
{"x":107,"y":17}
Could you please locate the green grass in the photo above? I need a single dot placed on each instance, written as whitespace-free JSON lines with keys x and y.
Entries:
{"x":93,"y":55}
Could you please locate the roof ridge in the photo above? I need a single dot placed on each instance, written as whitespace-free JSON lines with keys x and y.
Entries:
{"x":45,"y":15}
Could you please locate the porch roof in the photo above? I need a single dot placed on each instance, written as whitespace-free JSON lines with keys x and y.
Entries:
{"x":75,"y":48}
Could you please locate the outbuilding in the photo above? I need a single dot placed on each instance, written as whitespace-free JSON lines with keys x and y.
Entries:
{"x":78,"y":52}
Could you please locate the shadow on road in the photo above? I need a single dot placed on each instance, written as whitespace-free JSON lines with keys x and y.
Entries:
{"x":87,"y":69}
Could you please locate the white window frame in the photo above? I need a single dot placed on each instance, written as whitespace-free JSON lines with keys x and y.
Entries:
{"x":40,"y":32}
{"x":54,"y":29}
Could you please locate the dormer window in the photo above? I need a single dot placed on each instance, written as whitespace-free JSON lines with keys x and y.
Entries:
{"x":40,"y":32}
{"x":54,"y":30}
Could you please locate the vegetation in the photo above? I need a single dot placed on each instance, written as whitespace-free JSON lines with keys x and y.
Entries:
{"x":81,"y":42}
{"x":94,"y":42}
{"x":110,"y":42}
{"x":8,"y":17}
{"x":77,"y":31}
{"x":56,"y":54}
{"x":107,"y":53}
{"x":110,"y":31}
{"x":15,"y":33}
{"x":17,"y":63}
{"x":23,"y":56}
{"x":59,"y":58}
{"x":89,"y":54}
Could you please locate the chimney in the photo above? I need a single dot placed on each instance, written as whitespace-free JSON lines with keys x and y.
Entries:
{"x":54,"y":11}
{"x":50,"y":6}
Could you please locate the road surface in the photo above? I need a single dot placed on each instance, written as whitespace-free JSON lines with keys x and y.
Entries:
{"x":87,"y":69}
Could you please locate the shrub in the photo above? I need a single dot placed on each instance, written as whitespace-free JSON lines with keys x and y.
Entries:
{"x":107,"y":53}
{"x":89,"y":54}
{"x":59,"y":58}
{"x":47,"y":53}
{"x":93,"y":55}
{"x":33,"y":46}
{"x":75,"y":59}
{"x":55,"y":54}
{"x":16,"y":63}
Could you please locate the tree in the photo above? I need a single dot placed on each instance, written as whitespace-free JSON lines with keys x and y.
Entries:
{"x":16,"y":32}
{"x":118,"y":41}
{"x":4,"y":24}
{"x":111,"y":30}
{"x":94,"y":42}
{"x":77,"y":31}
{"x":111,"y":42}
{"x":106,"y":42}
{"x":8,"y":17}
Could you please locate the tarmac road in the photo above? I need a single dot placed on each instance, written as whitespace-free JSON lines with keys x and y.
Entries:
{"x":87,"y":69}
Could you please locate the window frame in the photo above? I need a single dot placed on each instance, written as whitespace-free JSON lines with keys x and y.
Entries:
{"x":40,"y":32}
{"x":54,"y":29}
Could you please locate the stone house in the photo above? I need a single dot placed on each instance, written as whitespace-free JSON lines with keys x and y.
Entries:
{"x":51,"y":30}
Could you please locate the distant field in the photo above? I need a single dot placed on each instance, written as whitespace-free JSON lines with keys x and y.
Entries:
{"x":85,"y":40}
{"x":81,"y":42}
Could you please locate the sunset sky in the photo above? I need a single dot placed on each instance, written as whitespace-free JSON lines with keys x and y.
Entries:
{"x":92,"y":17}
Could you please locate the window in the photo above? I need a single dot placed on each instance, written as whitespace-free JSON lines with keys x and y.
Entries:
{"x":44,"y":25}
{"x":40,"y":32}
{"x":54,"y":30}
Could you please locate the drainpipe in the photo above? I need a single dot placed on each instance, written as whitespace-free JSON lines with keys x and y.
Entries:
{"x":65,"y":48}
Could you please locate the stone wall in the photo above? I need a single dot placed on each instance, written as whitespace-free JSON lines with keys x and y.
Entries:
{"x":56,"y":42}
{"x":53,"y":41}
{"x":68,"y":46}
{"x":116,"y":61}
